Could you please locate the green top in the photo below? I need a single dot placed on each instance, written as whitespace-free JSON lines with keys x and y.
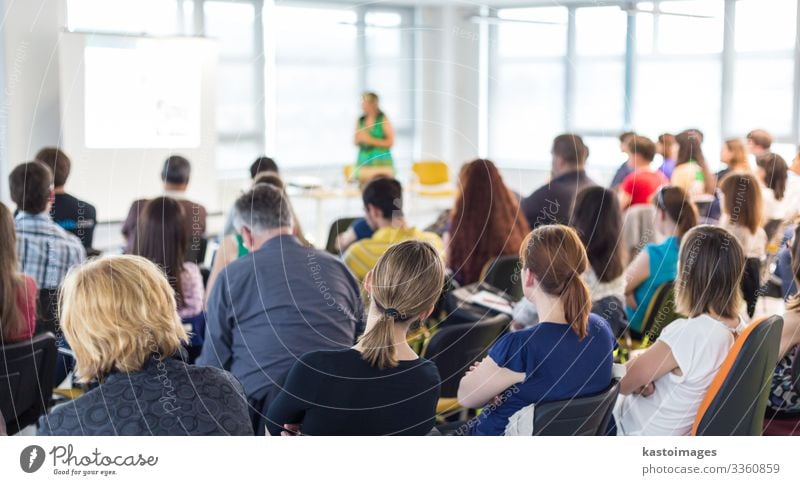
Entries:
{"x":371,"y":156}
{"x":242,"y":250}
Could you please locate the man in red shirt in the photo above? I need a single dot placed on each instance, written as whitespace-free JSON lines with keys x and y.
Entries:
{"x":640,"y":185}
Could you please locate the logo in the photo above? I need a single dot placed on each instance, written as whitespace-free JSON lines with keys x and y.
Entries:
{"x":31,"y":458}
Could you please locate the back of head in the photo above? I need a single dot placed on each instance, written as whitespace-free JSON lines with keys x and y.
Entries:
{"x":710,"y":268}
{"x":741,"y":200}
{"x":386,"y":194}
{"x":776,"y":172}
{"x":642,"y":146}
{"x":30,"y":185}
{"x":738,"y":151}
{"x":11,"y":318}
{"x":678,"y":206}
{"x":690,"y":149}
{"x":271,"y":178}
{"x":263,"y":164}
{"x":760,"y":138}
{"x":597,"y":218}
{"x":486,"y":221}
{"x":176,"y":171}
{"x":59,"y":164}
{"x":571,"y":149}
{"x":625,"y":137}
{"x":106,"y":321}
{"x":556,"y":257}
{"x":405,"y":283}
{"x":161,"y":237}
{"x":263,"y":208}
{"x":666,"y":140}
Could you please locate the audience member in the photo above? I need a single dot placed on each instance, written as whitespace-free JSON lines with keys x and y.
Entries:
{"x":380,"y":386}
{"x":657,"y":263}
{"x":552,"y":202}
{"x":175,"y":176}
{"x":17,"y":291}
{"x":383,"y":206}
{"x":792,"y":197}
{"x":118,"y":314}
{"x":667,"y":147}
{"x":74,"y":215}
{"x":161,"y":238}
{"x":567,"y":355}
{"x":759,"y":142}
{"x":640,"y":185}
{"x":662,"y":389}
{"x":485,"y":222}
{"x":772,"y":173}
{"x":691,"y":170}
{"x":280,"y":301}
{"x":734,"y":156}
{"x":261,"y":165}
{"x":45,"y":250}
{"x":626,"y":168}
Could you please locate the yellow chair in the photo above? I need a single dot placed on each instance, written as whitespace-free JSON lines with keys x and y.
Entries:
{"x":431,"y":178}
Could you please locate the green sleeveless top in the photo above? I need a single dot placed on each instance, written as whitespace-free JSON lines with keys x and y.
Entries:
{"x":370,"y":156}
{"x":241,"y":249}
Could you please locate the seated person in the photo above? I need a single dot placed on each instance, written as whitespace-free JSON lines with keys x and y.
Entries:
{"x":18,"y":295}
{"x":358,"y":230}
{"x":277,"y":303}
{"x":379,"y":386}
{"x":45,"y":250}
{"x":664,"y":386}
{"x":120,"y":318}
{"x":162,"y":240}
{"x":260,"y":165}
{"x":657,"y":263}
{"x":626,"y":168}
{"x":175,"y":176}
{"x":383,"y":205}
{"x":567,"y":354}
{"x":772,"y":173}
{"x":552,"y":202}
{"x":644,"y":181}
{"x":71,"y":213}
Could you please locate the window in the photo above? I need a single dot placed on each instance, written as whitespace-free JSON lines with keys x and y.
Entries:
{"x":154,"y":17}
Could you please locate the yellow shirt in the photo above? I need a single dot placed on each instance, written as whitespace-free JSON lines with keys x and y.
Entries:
{"x":362,"y":255}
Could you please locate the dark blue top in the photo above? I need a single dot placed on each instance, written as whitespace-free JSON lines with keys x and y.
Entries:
{"x":167,"y":398}
{"x":272,"y":306}
{"x":623,"y":171}
{"x":557,"y":366}
{"x":552,"y":202}
{"x":362,"y":229}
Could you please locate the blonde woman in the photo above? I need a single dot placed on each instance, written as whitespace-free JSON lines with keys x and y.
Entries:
{"x":129,"y":347}
{"x":379,"y":386}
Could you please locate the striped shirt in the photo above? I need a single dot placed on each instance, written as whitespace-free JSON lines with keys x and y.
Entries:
{"x":46,"y":251}
{"x":362,"y":255}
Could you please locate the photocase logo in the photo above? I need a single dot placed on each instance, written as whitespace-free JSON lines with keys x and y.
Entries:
{"x":31,"y":458}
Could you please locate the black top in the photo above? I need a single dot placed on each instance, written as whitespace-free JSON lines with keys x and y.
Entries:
{"x":167,"y":398}
{"x":337,"y":392}
{"x":75,"y":216}
{"x":552,"y":203}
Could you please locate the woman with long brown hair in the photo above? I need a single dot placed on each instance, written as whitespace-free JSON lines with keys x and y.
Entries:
{"x":568,"y":354}
{"x":379,"y":386}
{"x":486,"y":221}
{"x":734,"y":156}
{"x":17,"y":290}
{"x":691,"y":170}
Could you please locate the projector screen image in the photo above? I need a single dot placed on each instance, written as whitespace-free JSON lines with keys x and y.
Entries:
{"x":145,"y":94}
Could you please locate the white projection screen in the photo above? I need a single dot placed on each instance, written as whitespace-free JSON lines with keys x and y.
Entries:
{"x":127,"y":103}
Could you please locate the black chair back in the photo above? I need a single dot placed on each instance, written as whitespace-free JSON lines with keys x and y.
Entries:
{"x":456,"y":347}
{"x":581,"y":416}
{"x":47,"y":311}
{"x":751,"y":284}
{"x":338,"y":227}
{"x":27,"y":371}
{"x":504,"y":273}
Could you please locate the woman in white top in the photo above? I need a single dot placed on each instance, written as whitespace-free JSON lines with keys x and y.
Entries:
{"x":663,"y":387}
{"x":772,"y":174}
{"x":742,"y":212}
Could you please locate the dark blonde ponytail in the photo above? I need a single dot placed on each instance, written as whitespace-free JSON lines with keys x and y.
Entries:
{"x":556,"y":256}
{"x":405,"y":282}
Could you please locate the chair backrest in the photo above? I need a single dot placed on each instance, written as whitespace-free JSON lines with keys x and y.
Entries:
{"x":431,"y":172}
{"x":47,"y":311}
{"x":27,"y":371}
{"x":660,"y":312}
{"x":338,"y":227}
{"x":504,"y":273}
{"x":735,"y":402}
{"x":638,"y":227}
{"x":580,"y":416}
{"x":456,"y":347}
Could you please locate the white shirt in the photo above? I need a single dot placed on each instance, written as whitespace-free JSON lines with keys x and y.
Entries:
{"x":754,"y":245}
{"x":699,"y":346}
{"x":773,"y":208}
{"x":791,"y":198}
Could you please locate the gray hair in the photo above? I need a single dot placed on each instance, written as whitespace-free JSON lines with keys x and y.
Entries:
{"x":262,"y":208}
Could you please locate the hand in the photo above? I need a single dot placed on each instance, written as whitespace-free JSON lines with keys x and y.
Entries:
{"x":630,"y":300}
{"x":473,"y":367}
{"x":362,"y":137}
{"x":291,"y":430}
{"x":646,"y":390}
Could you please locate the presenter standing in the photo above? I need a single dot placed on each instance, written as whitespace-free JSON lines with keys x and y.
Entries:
{"x":374,"y":137}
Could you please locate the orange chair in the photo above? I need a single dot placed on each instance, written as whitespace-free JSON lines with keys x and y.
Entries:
{"x":737,"y":398}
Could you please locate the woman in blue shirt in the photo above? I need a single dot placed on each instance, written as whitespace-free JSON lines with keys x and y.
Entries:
{"x":567,"y":355}
{"x":657,"y":263}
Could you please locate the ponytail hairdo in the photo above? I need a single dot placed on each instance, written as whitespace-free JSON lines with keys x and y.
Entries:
{"x":676,"y":203}
{"x":405,"y":282}
{"x":556,"y":256}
